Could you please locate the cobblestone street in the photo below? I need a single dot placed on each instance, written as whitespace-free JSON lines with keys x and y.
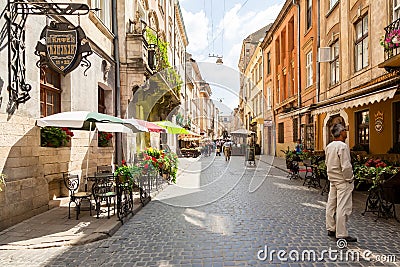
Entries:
{"x":223,"y":214}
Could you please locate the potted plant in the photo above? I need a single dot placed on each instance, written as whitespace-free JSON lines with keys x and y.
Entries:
{"x":104,"y":139}
{"x":373,"y":173}
{"x":55,"y":137}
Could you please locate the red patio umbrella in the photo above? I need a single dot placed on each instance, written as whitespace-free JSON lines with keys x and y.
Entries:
{"x":151,"y":126}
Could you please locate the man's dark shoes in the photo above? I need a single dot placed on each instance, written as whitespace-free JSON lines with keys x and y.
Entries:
{"x":349,"y":239}
{"x":331,"y":233}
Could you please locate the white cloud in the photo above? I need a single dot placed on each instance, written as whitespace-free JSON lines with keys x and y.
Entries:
{"x":238,"y":26}
{"x":197,"y":26}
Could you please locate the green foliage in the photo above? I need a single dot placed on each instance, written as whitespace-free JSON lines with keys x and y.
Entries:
{"x":162,"y":47}
{"x":161,"y":161}
{"x":54,"y":136}
{"x":373,"y":172}
{"x":128,"y":173}
{"x":104,"y":139}
{"x":163,"y":64}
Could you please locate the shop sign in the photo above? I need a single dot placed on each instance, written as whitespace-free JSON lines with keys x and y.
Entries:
{"x":268,"y":123}
{"x":379,"y":121}
{"x":63,"y":47}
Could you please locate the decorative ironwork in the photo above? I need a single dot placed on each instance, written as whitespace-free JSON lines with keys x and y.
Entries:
{"x":63,"y":47}
{"x":44,"y":8}
{"x":391,"y":39}
{"x":16,"y":15}
{"x":124,"y":197}
{"x":17,"y":88}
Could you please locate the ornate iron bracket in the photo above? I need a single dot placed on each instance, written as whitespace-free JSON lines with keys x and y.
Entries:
{"x":16,"y":16}
{"x":44,"y":8}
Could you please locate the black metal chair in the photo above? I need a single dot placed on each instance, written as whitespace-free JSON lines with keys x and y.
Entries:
{"x":103,"y":189}
{"x":72,"y":182}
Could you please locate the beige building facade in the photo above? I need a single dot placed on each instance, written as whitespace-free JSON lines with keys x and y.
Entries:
{"x":34,"y":173}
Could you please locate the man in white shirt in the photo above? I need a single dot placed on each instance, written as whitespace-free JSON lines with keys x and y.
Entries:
{"x":340,"y":175}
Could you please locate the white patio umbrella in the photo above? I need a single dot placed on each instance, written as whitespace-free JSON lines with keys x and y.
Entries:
{"x":242,"y":131}
{"x":86,"y":120}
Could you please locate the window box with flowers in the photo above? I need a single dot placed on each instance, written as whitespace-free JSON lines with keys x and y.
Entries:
{"x":104,"y":139}
{"x":55,"y":137}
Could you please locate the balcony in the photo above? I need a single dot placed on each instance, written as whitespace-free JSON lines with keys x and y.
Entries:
{"x":139,"y":53}
{"x":391,"y":46}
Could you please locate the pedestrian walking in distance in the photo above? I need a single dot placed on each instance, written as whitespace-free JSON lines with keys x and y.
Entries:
{"x":340,"y":175}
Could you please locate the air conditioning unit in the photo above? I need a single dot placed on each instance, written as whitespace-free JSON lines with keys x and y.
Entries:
{"x":324,"y":54}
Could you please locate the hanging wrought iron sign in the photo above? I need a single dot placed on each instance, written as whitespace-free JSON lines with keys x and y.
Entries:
{"x":16,"y":14}
{"x":63,"y":47}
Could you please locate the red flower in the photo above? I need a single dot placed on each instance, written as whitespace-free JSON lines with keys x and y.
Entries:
{"x":123,"y":162}
{"x":146,"y":166}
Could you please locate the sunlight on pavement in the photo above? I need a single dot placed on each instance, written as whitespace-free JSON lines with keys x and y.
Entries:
{"x":214,"y":223}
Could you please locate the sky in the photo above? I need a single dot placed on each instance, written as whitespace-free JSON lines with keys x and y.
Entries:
{"x":218,"y":27}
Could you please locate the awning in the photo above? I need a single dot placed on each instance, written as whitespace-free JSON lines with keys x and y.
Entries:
{"x":370,"y":98}
{"x":294,"y":113}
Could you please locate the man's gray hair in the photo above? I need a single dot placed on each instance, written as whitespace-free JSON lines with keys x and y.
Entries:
{"x":337,"y":129}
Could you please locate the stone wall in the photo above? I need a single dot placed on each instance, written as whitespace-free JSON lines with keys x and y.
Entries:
{"x":34,"y":173}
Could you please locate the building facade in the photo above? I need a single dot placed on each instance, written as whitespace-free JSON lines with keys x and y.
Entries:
{"x":359,"y":78}
{"x":34,"y":172}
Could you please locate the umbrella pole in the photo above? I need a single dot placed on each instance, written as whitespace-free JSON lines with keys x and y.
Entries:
{"x":87,"y":158}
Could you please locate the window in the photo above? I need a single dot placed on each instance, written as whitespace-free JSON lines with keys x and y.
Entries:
{"x":50,"y":92}
{"x":101,"y":101}
{"x":362,"y":129}
{"x":279,"y":92}
{"x":295,"y":130}
{"x":332,"y":3}
{"x":104,"y":14}
{"x":268,"y":63}
{"x":309,"y":69}
{"x":309,"y":14}
{"x":281,"y":133}
{"x":396,"y":9}
{"x":260,"y":71}
{"x":361,"y":44}
{"x":269,"y":103}
{"x":334,"y":63}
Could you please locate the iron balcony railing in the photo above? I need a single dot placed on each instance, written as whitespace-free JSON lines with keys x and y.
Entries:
{"x":391,"y":41}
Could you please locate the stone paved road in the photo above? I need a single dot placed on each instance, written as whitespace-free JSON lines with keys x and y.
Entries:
{"x":221,"y":214}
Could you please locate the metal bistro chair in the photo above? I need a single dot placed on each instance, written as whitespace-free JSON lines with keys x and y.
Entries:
{"x":103,"y":189}
{"x":72,"y":182}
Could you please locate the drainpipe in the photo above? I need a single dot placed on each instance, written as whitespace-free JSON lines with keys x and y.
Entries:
{"x":318,"y":45}
{"x":298,"y":64}
{"x":117,"y":92}
{"x":262,"y":102}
